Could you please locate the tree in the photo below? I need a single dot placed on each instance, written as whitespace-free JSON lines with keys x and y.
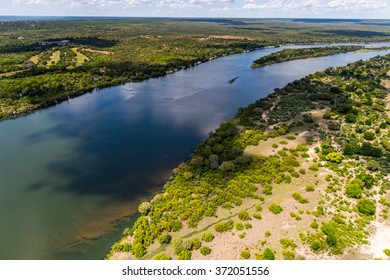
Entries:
{"x":144,"y":207}
{"x":227,"y":166}
{"x":366,"y":207}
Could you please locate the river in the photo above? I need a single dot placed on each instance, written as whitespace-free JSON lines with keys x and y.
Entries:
{"x":72,"y":175}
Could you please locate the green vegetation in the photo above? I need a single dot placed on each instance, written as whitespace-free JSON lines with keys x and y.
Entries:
{"x":245,"y":254}
{"x":293,"y":54}
{"x":366,"y":207}
{"x":161,"y":257}
{"x":207,"y":237}
{"x":224,"y":226}
{"x":387,"y":252}
{"x":205,"y":251}
{"x":275,"y":208}
{"x":244,"y":216}
{"x":298,"y":197}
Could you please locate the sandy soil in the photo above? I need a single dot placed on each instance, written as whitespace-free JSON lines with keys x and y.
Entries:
{"x":96,"y":51}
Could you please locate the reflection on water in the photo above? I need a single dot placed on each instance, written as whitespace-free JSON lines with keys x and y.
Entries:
{"x":71,"y":176}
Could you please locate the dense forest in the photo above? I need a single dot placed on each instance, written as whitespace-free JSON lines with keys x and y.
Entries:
{"x":37,"y":70}
{"x":314,"y":153}
{"x":293,"y":54}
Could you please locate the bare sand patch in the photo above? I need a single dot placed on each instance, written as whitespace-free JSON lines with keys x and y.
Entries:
{"x":98,"y":51}
{"x":378,"y":241}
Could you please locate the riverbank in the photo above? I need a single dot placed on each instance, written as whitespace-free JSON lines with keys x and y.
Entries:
{"x":305,"y":154}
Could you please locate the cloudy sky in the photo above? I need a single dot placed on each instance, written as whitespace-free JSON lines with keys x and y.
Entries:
{"x":201,"y":8}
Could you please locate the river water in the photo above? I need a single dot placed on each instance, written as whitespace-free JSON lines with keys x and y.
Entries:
{"x":72,"y":175}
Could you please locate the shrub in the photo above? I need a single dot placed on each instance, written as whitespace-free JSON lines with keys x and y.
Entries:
{"x":315,"y":245}
{"x":139,"y":250}
{"x":248,"y":225}
{"x":267,"y":190}
{"x":227,"y":166}
{"x":161,"y":257}
{"x":275,"y":208}
{"x":257,"y":216}
{"x":184,"y":255}
{"x":268,"y":254}
{"x":353,"y":191}
{"x":245,"y":254}
{"x":288,"y":255}
{"x":244,"y":216}
{"x":144,"y":207}
{"x":309,"y":188}
{"x":299,"y":198}
{"x":267,"y":233}
{"x":205,"y":251}
{"x":387,"y":252}
{"x":224,"y":226}
{"x":164,"y":238}
{"x":334,"y":157}
{"x":196,"y":244}
{"x":366,"y":207}
{"x":207,"y":237}
{"x":239,"y":226}
{"x":368,"y":135}
{"x":314,"y":167}
{"x":314,"y":225}
{"x":334,"y":126}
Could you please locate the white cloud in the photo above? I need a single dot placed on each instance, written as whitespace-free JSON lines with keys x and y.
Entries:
{"x":227,"y":8}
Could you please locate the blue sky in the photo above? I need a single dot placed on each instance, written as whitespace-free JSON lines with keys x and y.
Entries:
{"x":201,"y":8}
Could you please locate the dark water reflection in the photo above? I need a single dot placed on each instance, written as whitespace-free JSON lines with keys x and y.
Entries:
{"x":71,"y":176}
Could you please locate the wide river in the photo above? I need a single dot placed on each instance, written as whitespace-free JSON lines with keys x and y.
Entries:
{"x":72,"y":175}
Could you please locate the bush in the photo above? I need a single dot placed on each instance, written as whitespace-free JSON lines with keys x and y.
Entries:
{"x":164,"y":238}
{"x":239,"y":226}
{"x":366,"y":207}
{"x":267,"y":190}
{"x":224,"y":226}
{"x":314,"y":167}
{"x":309,"y":188}
{"x":315,"y":245}
{"x":207,"y":237}
{"x":144,"y":207}
{"x":275,"y":208}
{"x":268,"y":254}
{"x":334,"y":157}
{"x":205,"y":251}
{"x":387,"y":252}
{"x":161,"y":257}
{"x":196,"y":244}
{"x":353,"y":191}
{"x":334,"y":126}
{"x":185,"y":255}
{"x":244,"y":216}
{"x":245,"y":254}
{"x":299,"y":198}
{"x":227,"y":166}
{"x":368,"y":135}
{"x":288,"y":255}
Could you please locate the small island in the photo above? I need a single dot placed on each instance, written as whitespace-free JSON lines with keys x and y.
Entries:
{"x":294,"y":54}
